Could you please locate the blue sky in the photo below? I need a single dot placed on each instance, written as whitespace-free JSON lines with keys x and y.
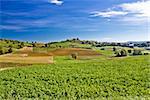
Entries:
{"x":55,"y":20}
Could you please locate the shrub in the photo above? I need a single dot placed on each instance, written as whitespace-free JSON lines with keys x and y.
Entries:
{"x":10,"y":46}
{"x":118,"y":54}
{"x":146,"y":53}
{"x":87,"y":47}
{"x":137,"y":52}
{"x":19,"y":46}
{"x":121,"y":53}
{"x":130,"y":51}
{"x":46,"y":45}
{"x":1,"y":51}
{"x":10,"y":50}
{"x":34,"y":45}
{"x":22,"y":44}
{"x":102,"y":48}
{"x":74,"y":55}
{"x":114,"y":49}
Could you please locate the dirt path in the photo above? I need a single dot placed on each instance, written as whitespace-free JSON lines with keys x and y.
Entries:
{"x":2,"y":69}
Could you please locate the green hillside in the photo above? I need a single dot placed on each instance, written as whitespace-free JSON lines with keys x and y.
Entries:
{"x":73,"y":69}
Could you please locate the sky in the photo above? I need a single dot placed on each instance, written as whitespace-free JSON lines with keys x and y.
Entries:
{"x":56,"y":20}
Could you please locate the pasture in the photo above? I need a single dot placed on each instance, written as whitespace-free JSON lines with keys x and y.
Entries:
{"x":95,"y":76}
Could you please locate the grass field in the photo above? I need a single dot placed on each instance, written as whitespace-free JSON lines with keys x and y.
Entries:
{"x":96,"y":78}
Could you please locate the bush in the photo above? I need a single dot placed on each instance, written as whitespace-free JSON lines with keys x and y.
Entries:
{"x":19,"y":46}
{"x":137,"y":52}
{"x":129,"y":51}
{"x":22,"y":44}
{"x":87,"y":47}
{"x":114,"y":49}
{"x":34,"y":45}
{"x":74,"y":55}
{"x":146,"y":53}
{"x":2,"y":51}
{"x":121,"y":53}
{"x":10,"y":50}
{"x":102,"y":48}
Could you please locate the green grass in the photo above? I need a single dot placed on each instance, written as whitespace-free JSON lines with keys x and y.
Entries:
{"x":69,"y":44}
{"x":79,"y":79}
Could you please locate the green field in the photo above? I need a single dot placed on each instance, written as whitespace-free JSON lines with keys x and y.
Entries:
{"x":117,"y":78}
{"x":50,"y":72}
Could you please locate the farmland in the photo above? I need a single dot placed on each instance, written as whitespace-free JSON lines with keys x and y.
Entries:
{"x":74,"y":50}
{"x":96,"y":74}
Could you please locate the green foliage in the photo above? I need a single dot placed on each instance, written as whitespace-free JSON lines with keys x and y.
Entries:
{"x":137,"y":52}
{"x":102,"y":48}
{"x":34,"y":44}
{"x":121,"y":53}
{"x":74,"y":55}
{"x":114,"y":48}
{"x":146,"y":53}
{"x":68,"y":79}
{"x":10,"y":50}
{"x":129,"y":51}
{"x":1,"y":51}
{"x":46,"y":45}
{"x":14,"y":44}
{"x":22,"y":44}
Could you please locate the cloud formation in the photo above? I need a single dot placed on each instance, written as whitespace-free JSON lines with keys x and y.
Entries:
{"x":127,"y":11}
{"x":140,"y":8}
{"x":56,"y":2}
{"x":108,"y":13}
{"x":10,"y":27}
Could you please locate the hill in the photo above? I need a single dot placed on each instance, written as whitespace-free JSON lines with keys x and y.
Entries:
{"x":49,"y":71}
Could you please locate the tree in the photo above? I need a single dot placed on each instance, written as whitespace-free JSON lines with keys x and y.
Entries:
{"x":19,"y":46}
{"x":129,"y":51}
{"x":146,"y":53}
{"x":10,"y":50}
{"x":1,"y":51}
{"x":46,"y":45}
{"x":34,"y":44}
{"x":77,"y":39}
{"x":74,"y":55}
{"x":102,"y":48}
{"x":137,"y":52}
{"x":10,"y":46}
{"x":114,"y":49}
{"x":121,"y":53}
{"x":22,"y":44}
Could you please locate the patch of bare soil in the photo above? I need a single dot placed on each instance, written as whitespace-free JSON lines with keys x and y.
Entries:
{"x":69,"y":51}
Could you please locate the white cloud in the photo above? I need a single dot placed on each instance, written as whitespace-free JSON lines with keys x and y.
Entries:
{"x":108,"y":13}
{"x":10,"y":27}
{"x":129,"y":12}
{"x":56,"y":2}
{"x":140,"y":8}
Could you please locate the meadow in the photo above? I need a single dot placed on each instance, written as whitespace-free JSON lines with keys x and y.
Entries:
{"x":96,"y":74}
{"x":78,"y":79}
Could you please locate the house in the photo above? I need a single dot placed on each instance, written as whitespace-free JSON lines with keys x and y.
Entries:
{"x":131,"y":45}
